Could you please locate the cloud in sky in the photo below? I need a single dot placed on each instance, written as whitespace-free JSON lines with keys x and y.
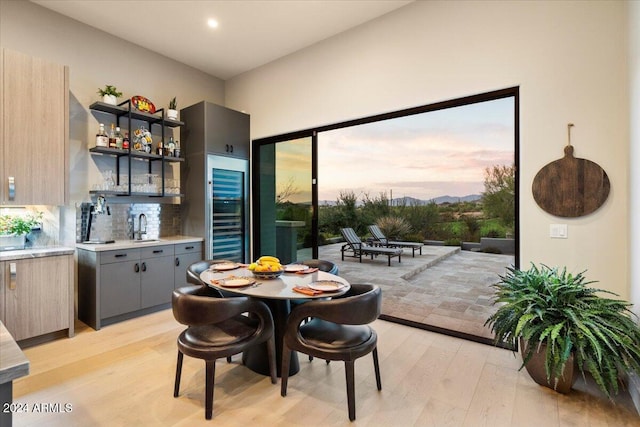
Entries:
{"x":427,"y":155}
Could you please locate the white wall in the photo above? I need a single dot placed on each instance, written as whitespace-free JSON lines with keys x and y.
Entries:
{"x":634,"y":157}
{"x":569,"y":59}
{"x":95,"y":59}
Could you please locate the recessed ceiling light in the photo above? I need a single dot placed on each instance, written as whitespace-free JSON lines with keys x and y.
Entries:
{"x":212,"y":23}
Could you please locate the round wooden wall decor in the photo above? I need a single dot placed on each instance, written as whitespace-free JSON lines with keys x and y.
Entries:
{"x":571,"y":186}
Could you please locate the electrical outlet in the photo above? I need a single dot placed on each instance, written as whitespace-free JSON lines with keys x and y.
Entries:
{"x":558,"y":231}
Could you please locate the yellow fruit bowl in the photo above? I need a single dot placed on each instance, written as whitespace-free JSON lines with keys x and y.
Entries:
{"x":267,"y":274}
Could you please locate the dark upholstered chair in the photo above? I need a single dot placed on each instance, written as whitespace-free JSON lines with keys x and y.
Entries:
{"x":193,"y":275}
{"x":338,"y":331}
{"x":322,"y":265}
{"x":194,"y":270}
{"x":217,"y":328}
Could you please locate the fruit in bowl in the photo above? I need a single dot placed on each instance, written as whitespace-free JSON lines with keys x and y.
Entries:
{"x":266,"y":267}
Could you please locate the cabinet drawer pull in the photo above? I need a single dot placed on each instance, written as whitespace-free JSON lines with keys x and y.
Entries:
{"x":189,"y":247}
{"x":144,"y":266}
{"x":13,"y":275}
{"x":231,"y":146}
{"x":177,"y":262}
{"x":136,"y":268}
{"x":120,"y":255}
{"x":12,"y":188}
{"x":158,"y":251}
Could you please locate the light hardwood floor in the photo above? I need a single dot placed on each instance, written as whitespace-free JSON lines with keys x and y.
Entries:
{"x":123,"y":375}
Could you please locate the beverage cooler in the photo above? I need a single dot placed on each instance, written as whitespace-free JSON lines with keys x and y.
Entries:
{"x":227,"y":186}
{"x":214,"y":179}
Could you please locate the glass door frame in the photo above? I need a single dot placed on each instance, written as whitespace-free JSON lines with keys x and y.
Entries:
{"x":255,"y":191}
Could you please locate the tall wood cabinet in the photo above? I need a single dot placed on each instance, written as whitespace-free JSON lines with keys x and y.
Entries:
{"x":37,"y":296}
{"x":34,"y":119}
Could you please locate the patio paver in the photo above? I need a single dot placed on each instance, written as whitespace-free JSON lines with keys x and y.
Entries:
{"x":443,"y":288}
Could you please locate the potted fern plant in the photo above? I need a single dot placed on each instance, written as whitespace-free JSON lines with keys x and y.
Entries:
{"x":14,"y":229}
{"x":109,"y":94}
{"x":562,"y":324}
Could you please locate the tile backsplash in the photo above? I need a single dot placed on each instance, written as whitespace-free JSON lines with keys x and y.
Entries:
{"x":162,"y":220}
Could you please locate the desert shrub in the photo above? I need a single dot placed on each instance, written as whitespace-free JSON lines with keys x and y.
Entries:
{"x":452,"y":242}
{"x":473,"y":228}
{"x":374,"y":207}
{"x":422,"y":219}
{"x":413,"y":237}
{"x":393,"y":227}
{"x":494,"y":234}
{"x":446,"y":216}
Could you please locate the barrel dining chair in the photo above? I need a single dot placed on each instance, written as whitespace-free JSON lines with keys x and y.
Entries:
{"x":338,"y":330}
{"x":217,"y":328}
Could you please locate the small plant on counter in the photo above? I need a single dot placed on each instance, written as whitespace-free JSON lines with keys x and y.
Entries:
{"x":19,"y":225}
{"x":109,"y":90}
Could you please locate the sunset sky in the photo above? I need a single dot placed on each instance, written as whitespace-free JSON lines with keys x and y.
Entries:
{"x":423,"y":156}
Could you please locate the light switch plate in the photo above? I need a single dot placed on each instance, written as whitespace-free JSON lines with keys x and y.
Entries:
{"x":558,"y":231}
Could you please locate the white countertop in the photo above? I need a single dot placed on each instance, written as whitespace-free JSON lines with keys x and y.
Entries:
{"x":13,"y":363}
{"x":36,"y":253}
{"x":132,"y":244}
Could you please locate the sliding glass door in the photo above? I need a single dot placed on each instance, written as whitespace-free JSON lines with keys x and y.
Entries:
{"x":430,"y":169}
{"x":284,"y":215}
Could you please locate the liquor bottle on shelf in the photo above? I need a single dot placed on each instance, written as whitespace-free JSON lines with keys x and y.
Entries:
{"x":102,"y":140}
{"x":125,"y":141}
{"x":159,"y":149}
{"x":170,"y":147}
{"x":119,"y":138}
{"x":112,"y":136}
{"x":176,"y":151}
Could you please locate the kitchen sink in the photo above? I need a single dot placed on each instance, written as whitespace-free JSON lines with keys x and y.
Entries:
{"x":146,"y":241}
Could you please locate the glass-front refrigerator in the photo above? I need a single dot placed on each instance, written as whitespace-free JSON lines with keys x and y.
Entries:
{"x":228,"y":192}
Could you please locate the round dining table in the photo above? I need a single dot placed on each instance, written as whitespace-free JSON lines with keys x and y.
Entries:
{"x":277,"y":293}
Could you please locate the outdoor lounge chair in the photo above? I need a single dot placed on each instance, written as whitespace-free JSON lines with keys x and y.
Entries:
{"x":380,"y":239}
{"x":360,"y":248}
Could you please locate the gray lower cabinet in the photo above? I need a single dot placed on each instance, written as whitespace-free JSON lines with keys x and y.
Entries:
{"x":121,"y":284}
{"x":186,"y":254}
{"x":156,"y":275}
{"x":119,"y":288}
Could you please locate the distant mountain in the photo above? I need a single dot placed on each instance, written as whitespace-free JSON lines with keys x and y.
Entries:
{"x":437,"y":200}
{"x":408,"y":201}
{"x":449,"y":199}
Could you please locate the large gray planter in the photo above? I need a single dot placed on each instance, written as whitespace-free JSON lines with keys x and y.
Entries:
{"x":12,"y":242}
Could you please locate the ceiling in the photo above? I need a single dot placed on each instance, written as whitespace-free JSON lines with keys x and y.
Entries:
{"x":250,"y":33}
